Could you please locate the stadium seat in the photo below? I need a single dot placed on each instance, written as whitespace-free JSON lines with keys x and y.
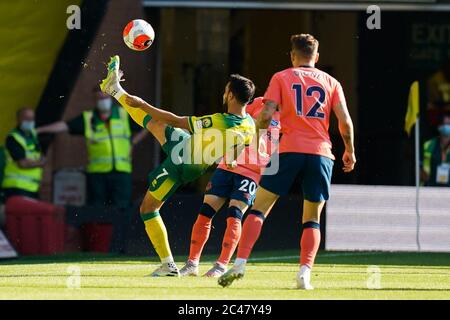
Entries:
{"x":97,"y":237}
{"x":102,"y":228}
{"x":34,"y":227}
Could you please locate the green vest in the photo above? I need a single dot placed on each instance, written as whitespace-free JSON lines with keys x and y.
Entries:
{"x":432,"y":158}
{"x":20,"y":178}
{"x":428,"y":150}
{"x":108,"y":149}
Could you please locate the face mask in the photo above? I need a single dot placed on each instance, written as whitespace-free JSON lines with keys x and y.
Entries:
{"x":27,"y":126}
{"x":104,"y":105}
{"x":444,"y":130}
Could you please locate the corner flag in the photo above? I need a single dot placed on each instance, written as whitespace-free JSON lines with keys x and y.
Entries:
{"x":413,"y":107}
{"x":411,"y":119}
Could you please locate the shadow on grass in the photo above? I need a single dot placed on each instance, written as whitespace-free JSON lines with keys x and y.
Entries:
{"x":78,"y":258}
{"x":385,"y":289}
{"x":360,"y":258}
{"x":387,"y":258}
{"x":272,"y":257}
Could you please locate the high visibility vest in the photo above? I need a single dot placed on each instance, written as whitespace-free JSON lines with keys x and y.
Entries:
{"x":108,"y":148}
{"x":432,"y":157}
{"x":428,"y":150}
{"x":28,"y":179}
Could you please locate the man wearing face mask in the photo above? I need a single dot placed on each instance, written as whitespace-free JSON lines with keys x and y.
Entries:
{"x":24,"y":161}
{"x":107,"y":132}
{"x":436,"y":157}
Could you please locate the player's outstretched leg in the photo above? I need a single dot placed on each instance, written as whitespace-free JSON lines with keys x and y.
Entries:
{"x":157,"y":233}
{"x":111,"y":85}
{"x":251,"y":230}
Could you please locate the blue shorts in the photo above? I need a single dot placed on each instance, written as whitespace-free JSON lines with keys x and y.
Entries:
{"x":230,"y":185}
{"x":314,"y":172}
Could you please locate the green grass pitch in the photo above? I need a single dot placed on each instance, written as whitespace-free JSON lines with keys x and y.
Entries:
{"x":271,"y":275}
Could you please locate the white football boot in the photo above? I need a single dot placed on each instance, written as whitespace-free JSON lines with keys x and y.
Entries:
{"x":304,"y":278}
{"x":216,"y":271}
{"x":189,"y":269}
{"x":111,"y":84}
{"x":235,"y":273}
{"x":168,"y":269}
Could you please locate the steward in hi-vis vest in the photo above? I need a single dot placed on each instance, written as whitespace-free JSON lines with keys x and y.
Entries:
{"x":24,"y":161}
{"x":108,"y":143}
{"x":436,"y":157}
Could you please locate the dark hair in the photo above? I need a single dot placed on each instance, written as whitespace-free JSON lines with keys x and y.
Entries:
{"x":305,"y":44}
{"x":242,"y":88}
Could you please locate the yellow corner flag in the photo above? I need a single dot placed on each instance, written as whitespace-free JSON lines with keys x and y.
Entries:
{"x":413,"y":107}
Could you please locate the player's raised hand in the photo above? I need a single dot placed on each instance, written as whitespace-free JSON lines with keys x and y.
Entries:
{"x":349,"y":160}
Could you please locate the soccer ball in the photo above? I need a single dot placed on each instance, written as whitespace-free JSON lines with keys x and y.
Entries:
{"x":138,"y":35}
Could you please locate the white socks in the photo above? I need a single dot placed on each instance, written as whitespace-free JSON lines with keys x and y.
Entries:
{"x":117,"y":91}
{"x":194,"y":262}
{"x":304,"y":269}
{"x":169,"y":259}
{"x":240,"y":262}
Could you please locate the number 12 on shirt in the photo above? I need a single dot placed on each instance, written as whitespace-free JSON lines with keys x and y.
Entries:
{"x":313,"y":111}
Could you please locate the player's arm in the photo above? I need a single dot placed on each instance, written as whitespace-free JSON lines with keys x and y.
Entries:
{"x":347,"y":134}
{"x":156,"y":113}
{"x":272,"y":98}
{"x":232,"y":154}
{"x":230,"y":158}
{"x":265,"y":116}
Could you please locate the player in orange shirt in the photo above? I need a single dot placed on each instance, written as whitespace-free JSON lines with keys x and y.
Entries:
{"x":305,"y":97}
{"x":236,"y":185}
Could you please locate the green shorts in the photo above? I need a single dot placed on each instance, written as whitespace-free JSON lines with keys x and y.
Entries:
{"x":162,"y":182}
{"x":169,"y":176}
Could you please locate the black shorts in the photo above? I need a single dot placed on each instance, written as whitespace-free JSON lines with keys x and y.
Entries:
{"x":314,"y":171}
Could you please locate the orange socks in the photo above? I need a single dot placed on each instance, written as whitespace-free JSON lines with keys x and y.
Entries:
{"x":199,"y":236}
{"x":309,"y":243}
{"x":200,"y":232}
{"x":232,"y":235}
{"x":250,"y":233}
